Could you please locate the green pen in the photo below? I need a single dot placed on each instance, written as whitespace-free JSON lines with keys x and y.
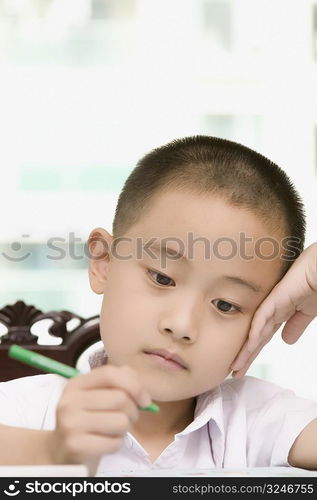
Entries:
{"x":51,"y":366}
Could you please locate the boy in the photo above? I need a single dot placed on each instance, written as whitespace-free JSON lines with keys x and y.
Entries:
{"x":200,"y":237}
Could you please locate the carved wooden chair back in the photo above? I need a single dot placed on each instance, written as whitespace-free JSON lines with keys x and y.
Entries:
{"x":18,"y":320}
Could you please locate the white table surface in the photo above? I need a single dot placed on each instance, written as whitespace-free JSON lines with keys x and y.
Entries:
{"x":43,"y":471}
{"x":248,"y":472}
{"x":82,"y":471}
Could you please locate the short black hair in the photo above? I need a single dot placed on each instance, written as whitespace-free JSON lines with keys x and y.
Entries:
{"x":204,"y":164}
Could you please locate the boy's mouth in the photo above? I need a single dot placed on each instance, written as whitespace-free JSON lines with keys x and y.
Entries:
{"x":167,"y":359}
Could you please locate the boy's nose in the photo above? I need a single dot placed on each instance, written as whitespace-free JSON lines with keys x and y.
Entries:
{"x":182,"y":317}
{"x":182,"y":323}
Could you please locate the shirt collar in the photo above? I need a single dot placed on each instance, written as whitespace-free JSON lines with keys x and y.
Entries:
{"x":208,"y":407}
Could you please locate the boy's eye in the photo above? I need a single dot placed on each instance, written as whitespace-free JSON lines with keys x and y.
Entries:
{"x":225,"y":306}
{"x":163,"y":280}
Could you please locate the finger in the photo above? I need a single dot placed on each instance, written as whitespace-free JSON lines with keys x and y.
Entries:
{"x":270,"y":321}
{"x":268,"y":332}
{"x":90,"y":445}
{"x":295,"y":327}
{"x":105,"y":400}
{"x":241,"y":358}
{"x":274,"y":310}
{"x":122,"y":377}
{"x":112,"y":424}
{"x":260,"y":327}
{"x":279,"y":306}
{"x":242,"y":371}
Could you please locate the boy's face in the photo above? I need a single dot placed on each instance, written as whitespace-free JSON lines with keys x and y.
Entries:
{"x":192,"y":310}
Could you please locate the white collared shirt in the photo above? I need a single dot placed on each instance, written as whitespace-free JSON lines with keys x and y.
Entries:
{"x":241,"y":423}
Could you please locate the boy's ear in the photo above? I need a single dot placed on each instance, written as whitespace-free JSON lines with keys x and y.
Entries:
{"x":99,"y":244}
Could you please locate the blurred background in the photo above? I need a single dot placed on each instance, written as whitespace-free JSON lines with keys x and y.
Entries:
{"x":88,"y":86}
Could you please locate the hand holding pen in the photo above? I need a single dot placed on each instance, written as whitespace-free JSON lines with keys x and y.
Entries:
{"x":95,"y":410}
